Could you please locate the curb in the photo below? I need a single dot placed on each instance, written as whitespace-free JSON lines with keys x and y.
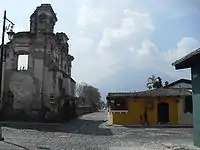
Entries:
{"x":153,"y":126}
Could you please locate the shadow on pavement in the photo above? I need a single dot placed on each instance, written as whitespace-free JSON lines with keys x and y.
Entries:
{"x":77,"y":126}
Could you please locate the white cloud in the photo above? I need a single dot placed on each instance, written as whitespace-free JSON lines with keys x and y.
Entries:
{"x":114,"y":43}
{"x":183,"y":47}
{"x":134,"y":21}
{"x":124,"y":52}
{"x":88,"y":15}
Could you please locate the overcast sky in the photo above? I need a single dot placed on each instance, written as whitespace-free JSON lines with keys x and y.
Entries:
{"x":118,"y":44}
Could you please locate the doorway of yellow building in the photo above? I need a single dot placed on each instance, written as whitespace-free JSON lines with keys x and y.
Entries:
{"x":163,"y":113}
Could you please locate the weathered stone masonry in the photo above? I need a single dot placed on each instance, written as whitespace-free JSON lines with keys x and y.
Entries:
{"x":49,"y":68}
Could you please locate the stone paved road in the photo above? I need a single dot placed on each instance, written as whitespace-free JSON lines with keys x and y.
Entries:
{"x":90,"y":132}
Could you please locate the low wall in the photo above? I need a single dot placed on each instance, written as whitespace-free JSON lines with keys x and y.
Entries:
{"x":81,"y":110}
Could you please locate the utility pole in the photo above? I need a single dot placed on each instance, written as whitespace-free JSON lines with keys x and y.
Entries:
{"x":2,"y":62}
{"x":1,"y":69}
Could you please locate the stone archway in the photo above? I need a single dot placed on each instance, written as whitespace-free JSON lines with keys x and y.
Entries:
{"x":66,"y":111}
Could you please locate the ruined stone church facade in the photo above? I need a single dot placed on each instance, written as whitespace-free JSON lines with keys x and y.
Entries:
{"x":46,"y":81}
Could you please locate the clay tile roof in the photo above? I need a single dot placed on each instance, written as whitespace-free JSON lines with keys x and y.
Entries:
{"x":178,"y":81}
{"x":162,"y":92}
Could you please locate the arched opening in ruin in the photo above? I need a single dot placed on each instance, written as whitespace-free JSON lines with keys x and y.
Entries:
{"x":22,"y":62}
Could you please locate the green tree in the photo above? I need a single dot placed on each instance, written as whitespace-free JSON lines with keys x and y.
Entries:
{"x":151,"y":81}
{"x":166,"y":83}
{"x":158,"y":83}
{"x":89,"y":94}
{"x":154,"y":82}
{"x":102,"y":104}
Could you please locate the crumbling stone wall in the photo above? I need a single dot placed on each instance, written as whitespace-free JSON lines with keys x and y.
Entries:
{"x":23,"y":88}
{"x":49,"y":66}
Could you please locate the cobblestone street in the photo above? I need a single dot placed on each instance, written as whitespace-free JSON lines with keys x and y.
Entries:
{"x":90,"y":132}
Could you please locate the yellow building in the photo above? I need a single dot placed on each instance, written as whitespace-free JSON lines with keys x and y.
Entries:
{"x":163,"y":106}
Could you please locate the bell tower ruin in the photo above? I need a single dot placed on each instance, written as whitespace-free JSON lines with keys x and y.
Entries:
{"x":43,"y":19}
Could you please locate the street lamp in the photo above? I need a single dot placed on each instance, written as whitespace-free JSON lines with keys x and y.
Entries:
{"x":2,"y":60}
{"x":11,"y":34}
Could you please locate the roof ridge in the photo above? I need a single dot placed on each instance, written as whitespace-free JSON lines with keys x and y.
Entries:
{"x":161,"y":92}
